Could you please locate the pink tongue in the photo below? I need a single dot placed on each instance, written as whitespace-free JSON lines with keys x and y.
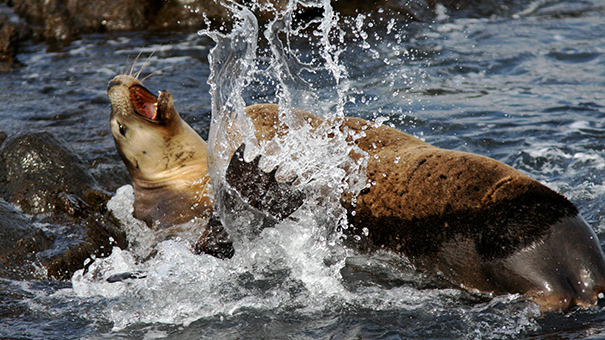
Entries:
{"x":145,"y":104}
{"x":148,"y":110}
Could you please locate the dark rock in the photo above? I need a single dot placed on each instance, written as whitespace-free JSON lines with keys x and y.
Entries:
{"x":61,"y":21}
{"x":40,"y":175}
{"x":173,"y":15}
{"x":12,"y":30}
{"x":49,"y":19}
{"x":19,"y":243}
{"x":8,"y":44}
{"x":58,"y":24}
{"x":102,"y":234}
{"x":107,"y":15}
{"x":482,"y":8}
{"x":416,"y":10}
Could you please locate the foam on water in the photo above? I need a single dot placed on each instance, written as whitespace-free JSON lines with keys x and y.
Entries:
{"x":283,"y":267}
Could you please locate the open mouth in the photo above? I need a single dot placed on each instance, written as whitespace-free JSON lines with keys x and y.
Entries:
{"x":145,"y":103}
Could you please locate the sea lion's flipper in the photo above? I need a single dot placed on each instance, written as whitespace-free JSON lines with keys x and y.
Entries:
{"x":215,"y":241}
{"x":260,"y":189}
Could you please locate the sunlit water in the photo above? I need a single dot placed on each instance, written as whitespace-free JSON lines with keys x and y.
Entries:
{"x":526,"y":89}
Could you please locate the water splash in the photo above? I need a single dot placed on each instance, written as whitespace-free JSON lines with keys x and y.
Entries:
{"x":322,"y":165}
{"x":232,"y":61}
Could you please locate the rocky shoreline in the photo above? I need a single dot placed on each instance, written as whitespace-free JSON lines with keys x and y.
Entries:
{"x":58,"y":22}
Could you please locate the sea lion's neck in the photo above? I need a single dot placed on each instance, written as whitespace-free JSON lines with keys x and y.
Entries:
{"x":179,"y":159}
{"x":170,"y":205}
{"x":183,"y":194}
{"x":174,"y":186}
{"x":180,"y":178}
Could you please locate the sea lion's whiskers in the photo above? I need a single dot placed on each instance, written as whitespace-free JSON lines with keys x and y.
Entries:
{"x":123,"y":69}
{"x":154,"y":72}
{"x":147,"y":61}
{"x":145,"y":64}
{"x":134,"y":64}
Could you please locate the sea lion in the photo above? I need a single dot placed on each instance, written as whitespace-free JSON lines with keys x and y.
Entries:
{"x":474,"y":221}
{"x":166,"y":160}
{"x":467,"y":219}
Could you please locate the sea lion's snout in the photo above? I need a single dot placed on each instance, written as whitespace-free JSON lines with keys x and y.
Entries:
{"x":114,"y":82}
{"x":563,"y":270}
{"x":121,"y":81}
{"x":129,"y":98}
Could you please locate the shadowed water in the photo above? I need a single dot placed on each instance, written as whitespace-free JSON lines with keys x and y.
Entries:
{"x":525,"y":89}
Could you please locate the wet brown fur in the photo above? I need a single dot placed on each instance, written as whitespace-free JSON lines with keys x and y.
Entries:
{"x":447,"y":211}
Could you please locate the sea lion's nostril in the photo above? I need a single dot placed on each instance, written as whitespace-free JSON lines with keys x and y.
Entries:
{"x":113,"y":83}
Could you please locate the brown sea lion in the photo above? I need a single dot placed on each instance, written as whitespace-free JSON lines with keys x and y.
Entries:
{"x":468,"y":219}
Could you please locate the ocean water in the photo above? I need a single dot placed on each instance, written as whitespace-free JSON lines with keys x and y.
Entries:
{"x":525,"y":88}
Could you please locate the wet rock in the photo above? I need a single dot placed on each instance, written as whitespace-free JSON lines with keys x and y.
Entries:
{"x":8,"y":44}
{"x":19,"y":243}
{"x":103,"y":232}
{"x":49,"y":19}
{"x":482,"y":8}
{"x":189,"y":14}
{"x":416,"y":10}
{"x":45,"y":179}
{"x":60,"y":21}
{"x":40,"y":174}
{"x":110,"y":15}
{"x":27,"y":252}
{"x":12,"y":30}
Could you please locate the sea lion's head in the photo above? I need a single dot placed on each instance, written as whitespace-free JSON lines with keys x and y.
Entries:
{"x":142,"y":125}
{"x":165,"y":157}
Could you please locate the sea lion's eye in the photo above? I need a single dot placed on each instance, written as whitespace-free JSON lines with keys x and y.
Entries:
{"x":122,"y":129}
